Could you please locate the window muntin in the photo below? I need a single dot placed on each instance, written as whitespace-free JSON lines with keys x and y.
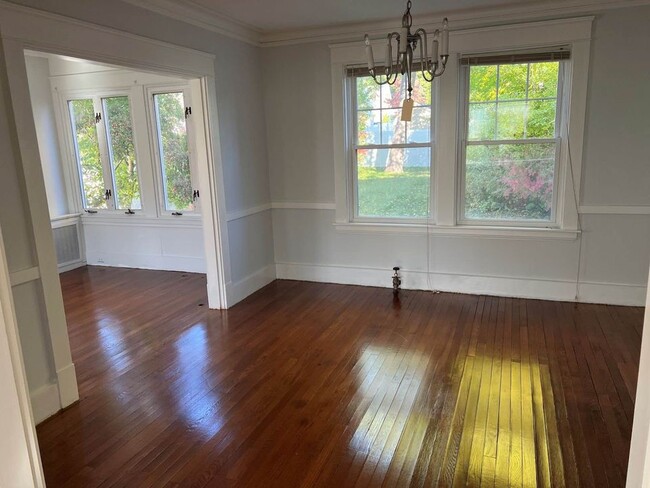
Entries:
{"x":173,"y":149}
{"x":86,"y":146}
{"x":391,"y":159}
{"x":121,"y":151}
{"x":512,"y":142}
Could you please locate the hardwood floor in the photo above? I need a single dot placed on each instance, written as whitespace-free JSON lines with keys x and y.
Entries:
{"x":318,"y":385}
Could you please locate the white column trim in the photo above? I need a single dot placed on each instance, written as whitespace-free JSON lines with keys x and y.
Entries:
{"x":20,"y":462}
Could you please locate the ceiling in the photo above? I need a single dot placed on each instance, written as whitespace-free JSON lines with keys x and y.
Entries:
{"x":265,"y":22}
{"x":282,"y":15}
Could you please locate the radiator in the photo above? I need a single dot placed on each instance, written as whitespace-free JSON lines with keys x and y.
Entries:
{"x":67,"y":241}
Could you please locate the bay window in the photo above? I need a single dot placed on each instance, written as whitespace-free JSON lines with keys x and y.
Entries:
{"x":131,"y":150}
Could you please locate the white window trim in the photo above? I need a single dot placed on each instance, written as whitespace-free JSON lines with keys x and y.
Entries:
{"x":574,"y":33}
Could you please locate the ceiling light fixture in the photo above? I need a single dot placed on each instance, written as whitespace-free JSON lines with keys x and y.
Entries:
{"x":407,"y":42}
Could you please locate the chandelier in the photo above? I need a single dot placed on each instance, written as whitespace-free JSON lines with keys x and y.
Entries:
{"x":407,"y":43}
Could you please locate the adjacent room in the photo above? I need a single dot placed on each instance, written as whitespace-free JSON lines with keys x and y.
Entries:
{"x":324,"y":243}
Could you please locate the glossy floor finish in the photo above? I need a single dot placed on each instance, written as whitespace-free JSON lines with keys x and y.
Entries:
{"x":318,"y":385}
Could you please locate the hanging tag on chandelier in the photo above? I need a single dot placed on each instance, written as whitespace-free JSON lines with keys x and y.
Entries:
{"x":407,"y":110}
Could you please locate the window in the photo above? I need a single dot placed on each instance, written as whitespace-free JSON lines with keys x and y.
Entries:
{"x":391,"y":159}
{"x":511,"y":139}
{"x":179,"y":189}
{"x":105,"y":152}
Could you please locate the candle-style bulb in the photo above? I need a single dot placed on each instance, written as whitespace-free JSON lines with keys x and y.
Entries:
{"x":434,"y":48}
{"x":369,"y":53}
{"x":444,"y":47}
{"x":388,"y":61}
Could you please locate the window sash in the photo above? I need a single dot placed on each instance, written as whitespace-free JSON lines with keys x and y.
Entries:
{"x":156,"y":141}
{"x":105,"y":122}
{"x":464,"y":143}
{"x":104,"y":149}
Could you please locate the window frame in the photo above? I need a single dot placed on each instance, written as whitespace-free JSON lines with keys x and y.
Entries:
{"x":150,"y":91}
{"x":352,"y":147}
{"x":98,"y":96}
{"x":464,"y":142}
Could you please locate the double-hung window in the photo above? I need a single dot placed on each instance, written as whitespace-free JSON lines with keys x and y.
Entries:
{"x":511,"y":138}
{"x":391,"y":159}
{"x":102,"y":129}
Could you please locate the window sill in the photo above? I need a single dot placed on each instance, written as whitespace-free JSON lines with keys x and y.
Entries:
{"x":490,"y":232}
{"x":122,"y":219}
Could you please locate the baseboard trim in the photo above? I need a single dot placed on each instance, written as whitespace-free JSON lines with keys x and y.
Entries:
{"x":45,"y":402}
{"x":186,"y":264}
{"x":239,"y":290}
{"x":70,"y":266}
{"x":609,"y":293}
{"x":68,"y":390}
{"x":612,"y":293}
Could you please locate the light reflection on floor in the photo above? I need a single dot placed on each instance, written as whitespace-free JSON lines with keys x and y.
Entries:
{"x":497,"y":431}
{"x":196,"y":399}
{"x":392,"y":381}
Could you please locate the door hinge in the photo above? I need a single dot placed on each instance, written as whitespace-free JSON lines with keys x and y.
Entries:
{"x":98,"y":117}
{"x":188,"y":111}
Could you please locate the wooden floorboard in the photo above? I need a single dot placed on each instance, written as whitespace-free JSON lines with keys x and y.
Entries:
{"x":321,"y":385}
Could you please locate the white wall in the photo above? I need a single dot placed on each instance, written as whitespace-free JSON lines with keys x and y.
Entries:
{"x":38,"y":73}
{"x":615,"y":248}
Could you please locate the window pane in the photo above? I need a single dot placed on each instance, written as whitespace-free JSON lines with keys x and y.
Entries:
{"x":541,"y":119}
{"x":393,"y":130}
{"x":367,"y":93}
{"x":482,"y":121}
{"x":172,"y":143}
{"x":543,"y":80}
{"x":368,"y":127}
{"x":419,"y":129}
{"x":483,"y":83}
{"x":84,"y":128}
{"x":509,"y":182}
{"x":392,"y":96}
{"x":513,"y":80}
{"x":393,"y":182}
{"x":117,"y":112}
{"x":511,"y":119}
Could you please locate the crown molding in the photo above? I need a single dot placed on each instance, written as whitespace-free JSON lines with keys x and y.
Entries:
{"x":194,"y":14}
{"x":460,"y":19}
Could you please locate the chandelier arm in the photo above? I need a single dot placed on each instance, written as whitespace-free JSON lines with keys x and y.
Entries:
{"x":440,"y":69}
{"x":389,"y":54}
{"x":424,"y":56}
